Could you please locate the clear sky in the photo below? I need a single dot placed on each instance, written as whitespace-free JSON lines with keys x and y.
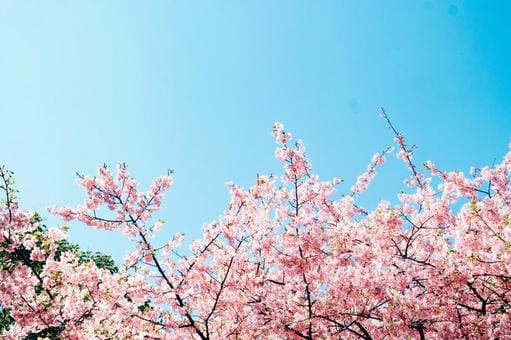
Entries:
{"x":196,"y":86}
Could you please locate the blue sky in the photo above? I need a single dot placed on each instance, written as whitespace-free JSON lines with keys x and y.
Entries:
{"x":196,"y":86}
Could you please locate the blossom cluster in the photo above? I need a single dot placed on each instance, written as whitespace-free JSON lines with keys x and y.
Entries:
{"x":285,"y":259}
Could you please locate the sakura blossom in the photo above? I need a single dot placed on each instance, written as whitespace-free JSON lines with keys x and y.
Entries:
{"x":284,"y":260}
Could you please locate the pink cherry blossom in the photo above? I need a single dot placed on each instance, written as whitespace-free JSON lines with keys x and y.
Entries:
{"x":288,"y":258}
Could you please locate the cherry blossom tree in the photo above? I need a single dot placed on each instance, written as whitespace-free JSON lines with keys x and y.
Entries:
{"x":285,"y":259}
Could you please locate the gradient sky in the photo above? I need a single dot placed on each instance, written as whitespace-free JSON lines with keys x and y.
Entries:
{"x":196,"y":86}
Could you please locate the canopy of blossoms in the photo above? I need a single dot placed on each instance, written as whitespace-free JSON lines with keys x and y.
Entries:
{"x":284,"y":260}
